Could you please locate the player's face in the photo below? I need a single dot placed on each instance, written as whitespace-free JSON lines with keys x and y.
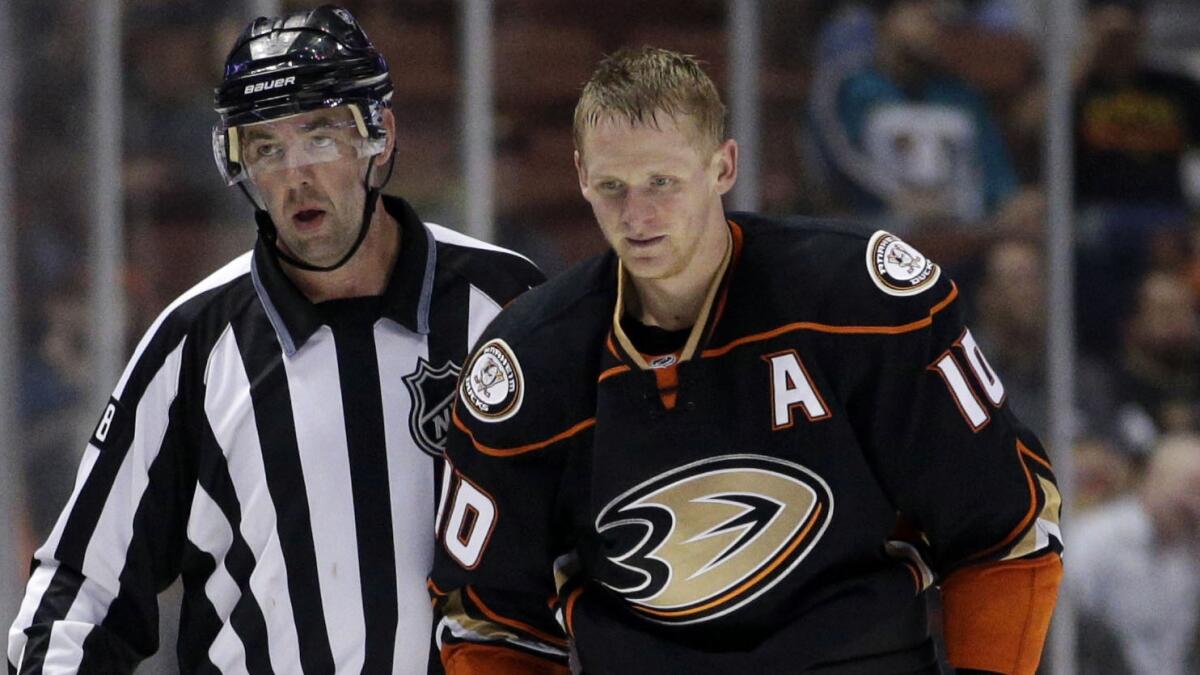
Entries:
{"x":656,"y":192}
{"x":309,"y":172}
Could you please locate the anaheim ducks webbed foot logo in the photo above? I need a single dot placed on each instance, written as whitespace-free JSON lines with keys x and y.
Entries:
{"x":702,"y":540}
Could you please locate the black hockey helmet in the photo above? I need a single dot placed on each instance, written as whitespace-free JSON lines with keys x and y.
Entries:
{"x":283,"y":66}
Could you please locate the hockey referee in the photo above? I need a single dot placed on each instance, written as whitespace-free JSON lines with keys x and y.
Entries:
{"x":275,"y":439}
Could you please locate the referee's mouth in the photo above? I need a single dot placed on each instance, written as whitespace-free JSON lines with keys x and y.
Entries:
{"x":307,"y":219}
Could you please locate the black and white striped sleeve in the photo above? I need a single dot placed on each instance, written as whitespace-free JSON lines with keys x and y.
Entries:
{"x":90,"y":605}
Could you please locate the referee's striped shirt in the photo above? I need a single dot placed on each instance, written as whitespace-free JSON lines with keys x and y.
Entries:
{"x":279,"y":456}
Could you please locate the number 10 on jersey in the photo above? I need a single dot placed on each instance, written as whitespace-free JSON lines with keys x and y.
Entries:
{"x":968,"y":402}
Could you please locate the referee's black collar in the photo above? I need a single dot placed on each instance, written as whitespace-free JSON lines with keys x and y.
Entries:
{"x":405,"y":300}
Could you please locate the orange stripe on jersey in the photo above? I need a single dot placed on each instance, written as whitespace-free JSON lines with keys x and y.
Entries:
{"x":434,"y":587}
{"x":1034,"y":457}
{"x":615,"y":370}
{"x":470,"y":658}
{"x":749,"y":583}
{"x":520,"y":449}
{"x":946,"y":300}
{"x":513,"y":623}
{"x":608,"y":342}
{"x":1022,"y":451}
{"x":569,"y":610}
{"x":668,"y":385}
{"x":845,"y":330}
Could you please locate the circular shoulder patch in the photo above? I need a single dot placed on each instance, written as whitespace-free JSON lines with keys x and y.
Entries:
{"x":897,"y":268}
{"x":493,"y":386}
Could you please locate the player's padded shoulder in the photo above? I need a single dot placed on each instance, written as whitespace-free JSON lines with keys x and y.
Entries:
{"x":826,"y":272}
{"x":532,"y":375}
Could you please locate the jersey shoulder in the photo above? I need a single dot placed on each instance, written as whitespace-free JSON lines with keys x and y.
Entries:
{"x":565,"y":310}
{"x":499,"y":272}
{"x":834,"y":272}
{"x":533,"y":372}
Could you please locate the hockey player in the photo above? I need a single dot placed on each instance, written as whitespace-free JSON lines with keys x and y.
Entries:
{"x":275,"y":439}
{"x":694,"y":454}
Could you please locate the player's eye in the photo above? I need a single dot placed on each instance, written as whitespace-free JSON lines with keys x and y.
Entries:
{"x":661,"y":181}
{"x":610,"y":186}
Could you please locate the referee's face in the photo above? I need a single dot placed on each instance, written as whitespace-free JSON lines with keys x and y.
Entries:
{"x":309,"y":170}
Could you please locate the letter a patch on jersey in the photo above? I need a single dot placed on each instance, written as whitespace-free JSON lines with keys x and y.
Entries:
{"x":791,"y":388}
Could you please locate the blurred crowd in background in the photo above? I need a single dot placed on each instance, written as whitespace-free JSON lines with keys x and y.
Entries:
{"x":924,"y":117}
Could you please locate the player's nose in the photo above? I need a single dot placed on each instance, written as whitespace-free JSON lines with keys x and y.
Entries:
{"x":637,"y":209}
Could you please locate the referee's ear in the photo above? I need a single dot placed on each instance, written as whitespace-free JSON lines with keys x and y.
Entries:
{"x":389,"y":123}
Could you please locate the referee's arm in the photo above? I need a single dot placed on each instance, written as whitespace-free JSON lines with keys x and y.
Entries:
{"x":91,"y":602}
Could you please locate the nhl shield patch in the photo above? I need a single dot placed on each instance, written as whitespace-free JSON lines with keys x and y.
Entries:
{"x":432,"y":393}
{"x":897,"y":268}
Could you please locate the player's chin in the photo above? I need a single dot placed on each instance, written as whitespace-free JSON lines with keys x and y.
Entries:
{"x":648,"y":268}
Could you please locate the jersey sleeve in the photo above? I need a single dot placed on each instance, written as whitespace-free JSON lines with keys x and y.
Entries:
{"x":499,"y":525}
{"x":90,"y":605}
{"x":958,"y":464}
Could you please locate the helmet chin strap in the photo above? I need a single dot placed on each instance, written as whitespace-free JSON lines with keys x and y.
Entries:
{"x":270,"y":235}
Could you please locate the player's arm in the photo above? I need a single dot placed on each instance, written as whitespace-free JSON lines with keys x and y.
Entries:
{"x":978,"y":485}
{"x":90,"y":605}
{"x":494,"y":601}
{"x":487,"y":631}
{"x":997,"y":613}
{"x":498,"y":528}
{"x":996,"y":529}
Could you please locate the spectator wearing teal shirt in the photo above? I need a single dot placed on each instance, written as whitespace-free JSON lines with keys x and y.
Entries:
{"x":906,"y":140}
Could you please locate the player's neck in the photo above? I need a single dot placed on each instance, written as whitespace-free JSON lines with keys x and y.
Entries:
{"x":366,"y":274}
{"x":676,"y":302}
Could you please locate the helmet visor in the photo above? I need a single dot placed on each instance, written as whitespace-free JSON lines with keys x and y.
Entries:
{"x":257,"y":150}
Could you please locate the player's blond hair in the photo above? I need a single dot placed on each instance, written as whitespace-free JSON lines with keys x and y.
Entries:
{"x":637,"y":84}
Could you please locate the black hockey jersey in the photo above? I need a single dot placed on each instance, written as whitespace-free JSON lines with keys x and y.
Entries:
{"x":733,"y":507}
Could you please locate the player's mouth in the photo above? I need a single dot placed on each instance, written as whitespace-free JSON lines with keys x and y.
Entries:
{"x":307,"y":219}
{"x":643,"y":243}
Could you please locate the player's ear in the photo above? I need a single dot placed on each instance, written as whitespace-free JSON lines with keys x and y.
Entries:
{"x":581,"y":171}
{"x":725,"y":159}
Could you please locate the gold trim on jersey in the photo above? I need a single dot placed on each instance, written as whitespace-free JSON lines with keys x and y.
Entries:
{"x":1044,"y":520}
{"x":693,"y":341}
{"x":1038,"y":537}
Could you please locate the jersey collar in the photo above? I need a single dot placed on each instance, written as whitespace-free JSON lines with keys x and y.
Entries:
{"x":406,"y":299}
{"x":709,"y":312}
